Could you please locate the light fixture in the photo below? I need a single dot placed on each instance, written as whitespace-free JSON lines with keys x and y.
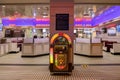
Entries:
{"x":3,"y":6}
{"x":38,"y":8}
{"x":45,"y":14}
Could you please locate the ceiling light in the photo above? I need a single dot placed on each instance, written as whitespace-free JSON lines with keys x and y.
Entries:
{"x":38,"y":8}
{"x":3,"y":6}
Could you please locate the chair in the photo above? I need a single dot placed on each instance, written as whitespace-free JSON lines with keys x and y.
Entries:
{"x":115,"y":49}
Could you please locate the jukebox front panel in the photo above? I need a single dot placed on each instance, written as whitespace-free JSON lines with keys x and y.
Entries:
{"x":60,"y":61}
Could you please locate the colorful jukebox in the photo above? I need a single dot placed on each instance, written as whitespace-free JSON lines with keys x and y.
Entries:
{"x":60,"y":53}
{"x":61,"y":36}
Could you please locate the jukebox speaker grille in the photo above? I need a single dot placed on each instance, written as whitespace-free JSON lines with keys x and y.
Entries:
{"x":60,"y":61}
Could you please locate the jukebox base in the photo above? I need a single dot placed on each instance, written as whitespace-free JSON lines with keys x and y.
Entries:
{"x":60,"y":73}
{"x":69,"y":71}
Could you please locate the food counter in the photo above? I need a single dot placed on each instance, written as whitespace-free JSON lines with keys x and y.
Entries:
{"x":88,"y":47}
{"x":35,"y":47}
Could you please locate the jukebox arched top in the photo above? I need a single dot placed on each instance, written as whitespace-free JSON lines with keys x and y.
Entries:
{"x":60,"y":38}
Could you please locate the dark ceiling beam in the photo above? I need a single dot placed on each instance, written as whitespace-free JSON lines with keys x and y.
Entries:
{"x":24,"y":1}
{"x":48,"y":1}
{"x":97,"y":1}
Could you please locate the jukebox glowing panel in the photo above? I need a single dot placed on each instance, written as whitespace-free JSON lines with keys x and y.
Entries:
{"x":60,"y":47}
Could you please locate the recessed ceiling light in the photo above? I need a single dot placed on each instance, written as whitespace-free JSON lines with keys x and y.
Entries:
{"x":38,"y":8}
{"x":3,"y":6}
{"x":16,"y":11}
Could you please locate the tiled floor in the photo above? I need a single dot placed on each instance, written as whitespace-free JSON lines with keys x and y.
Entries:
{"x":42,"y":73}
{"x":36,"y":68}
{"x":17,"y":59}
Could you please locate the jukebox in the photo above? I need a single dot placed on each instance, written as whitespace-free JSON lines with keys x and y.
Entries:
{"x":60,"y":54}
{"x":61,"y":36}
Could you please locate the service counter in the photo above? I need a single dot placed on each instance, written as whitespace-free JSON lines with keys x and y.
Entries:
{"x":12,"y":45}
{"x":35,"y":47}
{"x":3,"y":49}
{"x":88,"y":47}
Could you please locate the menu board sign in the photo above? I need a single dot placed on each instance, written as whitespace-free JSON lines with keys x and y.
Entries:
{"x":62,"y":21}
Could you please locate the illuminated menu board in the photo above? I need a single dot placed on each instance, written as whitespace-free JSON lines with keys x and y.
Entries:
{"x":1,"y":26}
{"x":118,"y":28}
